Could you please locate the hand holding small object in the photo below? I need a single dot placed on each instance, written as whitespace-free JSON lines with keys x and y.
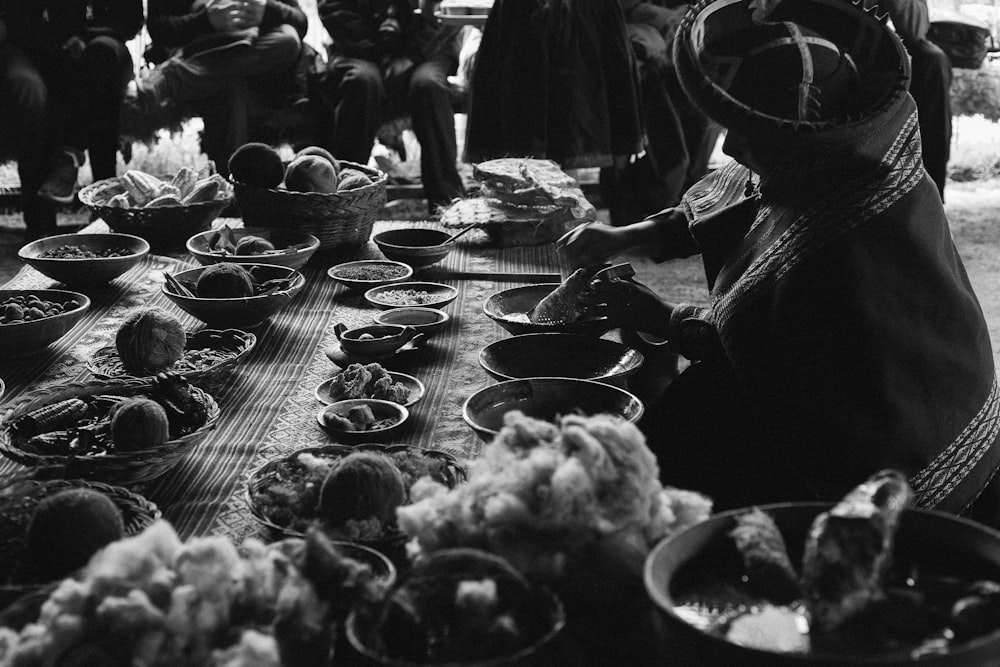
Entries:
{"x":628,"y":304}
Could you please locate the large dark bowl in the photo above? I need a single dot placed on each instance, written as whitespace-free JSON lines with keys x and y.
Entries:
{"x":546,"y":398}
{"x":933,"y":541}
{"x":85,"y":271}
{"x":416,"y":247}
{"x":240,"y":313}
{"x":27,"y":337}
{"x":296,"y":247}
{"x":509,"y":309}
{"x":560,"y":355}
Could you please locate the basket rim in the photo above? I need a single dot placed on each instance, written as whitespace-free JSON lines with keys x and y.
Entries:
{"x":233,"y":340}
{"x":254,"y":477}
{"x":87,"y":192}
{"x":171,"y":448}
{"x":379,"y":181}
{"x":119,"y":494}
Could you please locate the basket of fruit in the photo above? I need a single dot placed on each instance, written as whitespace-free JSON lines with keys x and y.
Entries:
{"x":123,"y":433}
{"x":164,"y":212}
{"x":334,"y":200}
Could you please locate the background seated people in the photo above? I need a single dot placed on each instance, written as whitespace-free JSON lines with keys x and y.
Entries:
{"x":63,"y":70}
{"x":386,"y":61}
{"x":844,"y":336}
{"x":215,"y":48}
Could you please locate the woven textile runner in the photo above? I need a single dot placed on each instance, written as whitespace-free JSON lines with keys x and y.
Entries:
{"x":268,"y":405}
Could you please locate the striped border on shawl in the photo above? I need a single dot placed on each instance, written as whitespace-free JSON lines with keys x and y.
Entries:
{"x":846,"y":208}
{"x":726,"y":187}
{"x":936,"y":481}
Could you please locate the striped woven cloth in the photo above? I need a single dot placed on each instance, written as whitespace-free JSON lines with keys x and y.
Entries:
{"x":268,"y":405}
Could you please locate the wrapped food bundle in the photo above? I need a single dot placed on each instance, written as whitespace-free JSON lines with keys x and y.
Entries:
{"x":523,"y":201}
{"x":153,"y":600}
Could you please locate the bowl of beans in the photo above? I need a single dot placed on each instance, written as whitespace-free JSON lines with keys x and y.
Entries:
{"x":368,"y":273}
{"x":397,"y":295}
{"x":84,"y":260}
{"x":31,"y":320}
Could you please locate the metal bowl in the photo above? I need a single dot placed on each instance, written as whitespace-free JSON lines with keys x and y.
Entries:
{"x":85,"y":271}
{"x":509,"y":308}
{"x":546,"y":398}
{"x":560,"y":355}
{"x":703,"y":553}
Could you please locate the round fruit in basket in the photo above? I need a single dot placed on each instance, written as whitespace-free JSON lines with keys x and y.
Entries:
{"x":257,"y":164}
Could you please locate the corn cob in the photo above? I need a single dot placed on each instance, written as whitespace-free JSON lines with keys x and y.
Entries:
{"x":119,"y":201}
{"x":207,"y":170}
{"x":168,"y":199}
{"x":184,"y":180}
{"x":204,"y":190}
{"x":50,"y":417}
{"x":141,"y":187}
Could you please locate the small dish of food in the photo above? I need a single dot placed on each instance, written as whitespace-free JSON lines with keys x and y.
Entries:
{"x":368,"y":273}
{"x":375,"y":341}
{"x":87,"y":260}
{"x":427,"y":321}
{"x":370,"y":381}
{"x":428,"y":295}
{"x":356,"y":419}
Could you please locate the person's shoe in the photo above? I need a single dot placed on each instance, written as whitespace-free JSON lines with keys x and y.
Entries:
{"x":60,"y":186}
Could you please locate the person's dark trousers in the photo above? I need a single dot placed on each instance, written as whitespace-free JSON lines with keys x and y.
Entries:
{"x":429,"y":104}
{"x":85,"y":97}
{"x":930,"y":87}
{"x":353,"y":90}
{"x":23,"y":107}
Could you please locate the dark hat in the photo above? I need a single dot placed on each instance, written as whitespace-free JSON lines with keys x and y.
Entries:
{"x":807,"y":66}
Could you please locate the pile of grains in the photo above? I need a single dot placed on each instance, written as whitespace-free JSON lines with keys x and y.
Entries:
{"x":405,"y":297}
{"x":371,"y":272}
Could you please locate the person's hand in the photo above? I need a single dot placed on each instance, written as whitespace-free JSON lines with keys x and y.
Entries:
{"x":587,"y":245}
{"x":253,"y":12}
{"x":627,"y":304}
{"x":74,"y":47}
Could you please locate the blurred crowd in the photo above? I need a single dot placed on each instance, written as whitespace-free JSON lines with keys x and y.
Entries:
{"x":587,"y":84}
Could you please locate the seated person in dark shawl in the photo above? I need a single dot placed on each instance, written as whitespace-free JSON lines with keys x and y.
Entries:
{"x":63,"y":70}
{"x":843,"y":336}
{"x":215,"y":48}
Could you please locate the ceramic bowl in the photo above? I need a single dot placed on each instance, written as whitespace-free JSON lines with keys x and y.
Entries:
{"x":415,"y":387}
{"x":21,"y":338}
{"x":560,"y":355}
{"x":373,"y":341}
{"x":380,"y":409}
{"x":509,"y":308}
{"x":703,"y":555}
{"x":85,"y":271}
{"x":417,"y":247}
{"x":427,"y":321}
{"x":546,"y":398}
{"x":239,"y":313}
{"x":342,"y":273}
{"x":294,"y":247}
{"x":428,"y":295}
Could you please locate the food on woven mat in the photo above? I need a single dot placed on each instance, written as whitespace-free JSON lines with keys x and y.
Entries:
{"x":80,"y":252}
{"x":82,"y":426}
{"x":153,"y":600}
{"x":367,"y":381}
{"x":853,"y":600}
{"x":371,"y":272}
{"x":224,"y":280}
{"x":150,"y":340}
{"x":562,"y":305}
{"x":311,"y":173}
{"x":138,"y":189}
{"x":19,"y":309}
{"x":64,"y":531}
{"x":257,"y":164}
{"x":541,"y":494}
{"x":288,"y":494}
{"x":406,"y":297}
{"x":138,"y":423}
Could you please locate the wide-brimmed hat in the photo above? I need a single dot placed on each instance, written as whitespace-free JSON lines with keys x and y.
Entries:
{"x":791,"y":68}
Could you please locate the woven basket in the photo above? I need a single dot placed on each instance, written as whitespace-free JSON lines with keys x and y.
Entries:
{"x":122,"y":468}
{"x":107,"y":365}
{"x":392,"y":546}
{"x":339,"y":219}
{"x":137,"y":514}
{"x":162,"y":226}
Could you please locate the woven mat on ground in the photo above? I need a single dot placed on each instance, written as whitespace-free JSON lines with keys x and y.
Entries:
{"x":268,"y":406}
